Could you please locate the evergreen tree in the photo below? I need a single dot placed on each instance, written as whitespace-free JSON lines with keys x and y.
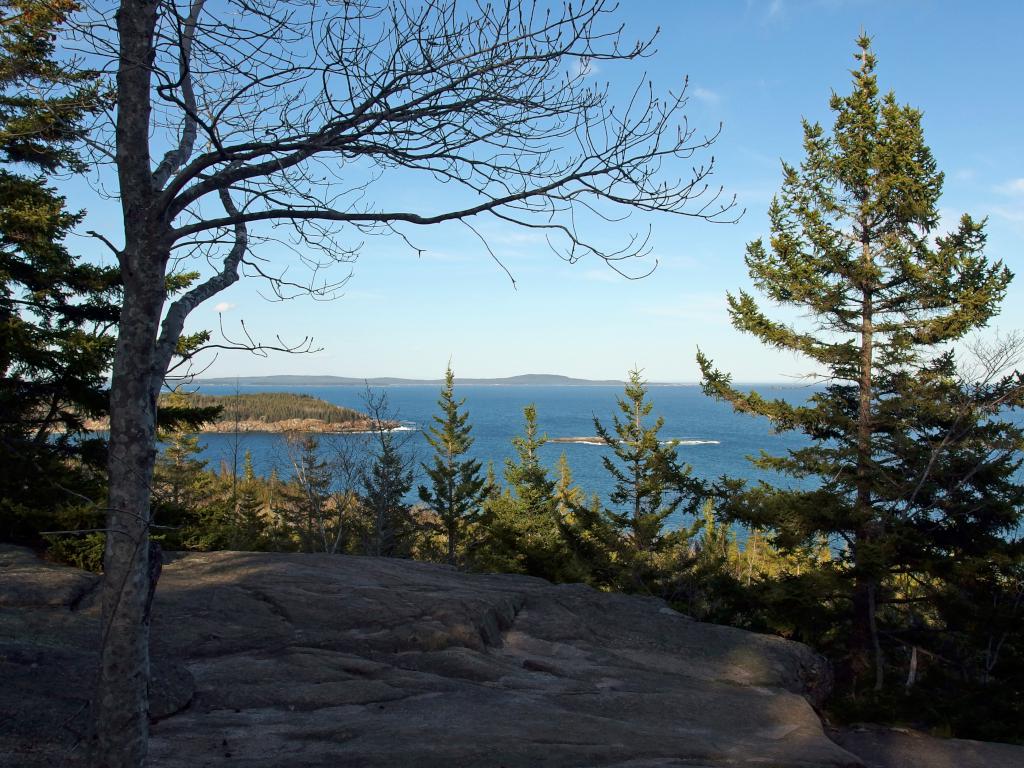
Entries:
{"x":248,"y":531}
{"x":567,"y":495}
{"x":54,"y":310}
{"x":526,"y":476}
{"x":492,"y":487}
{"x":456,"y":487}
{"x":523,"y":531}
{"x":181,"y":482}
{"x":311,"y":511}
{"x":386,"y":484}
{"x":184,"y":496}
{"x":595,"y":546}
{"x":389,"y":528}
{"x":650,"y":485}
{"x":915,"y":465}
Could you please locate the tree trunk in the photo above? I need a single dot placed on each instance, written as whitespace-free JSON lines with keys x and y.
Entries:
{"x":121,"y":705}
{"x":453,"y":541}
{"x":864,"y":637}
{"x":121,"y":716}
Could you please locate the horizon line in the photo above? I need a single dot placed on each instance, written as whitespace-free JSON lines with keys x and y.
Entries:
{"x":433,"y":379}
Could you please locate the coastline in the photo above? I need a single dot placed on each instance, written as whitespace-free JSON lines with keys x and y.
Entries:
{"x":304,"y":426}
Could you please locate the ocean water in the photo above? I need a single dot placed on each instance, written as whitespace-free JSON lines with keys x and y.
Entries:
{"x":716,"y":441}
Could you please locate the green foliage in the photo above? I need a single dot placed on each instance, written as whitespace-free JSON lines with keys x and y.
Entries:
{"x":182,"y":489}
{"x":248,"y":530}
{"x":54,"y":311}
{"x":650,"y":485}
{"x":386,"y":484}
{"x":915,"y":459}
{"x":43,"y":102}
{"x":85,"y":552}
{"x":521,"y":529}
{"x":310,"y":510}
{"x":265,"y":407}
{"x":568,"y":495}
{"x":456,"y":488}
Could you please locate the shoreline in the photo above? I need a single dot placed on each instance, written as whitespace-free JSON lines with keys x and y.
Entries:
{"x":304,"y":426}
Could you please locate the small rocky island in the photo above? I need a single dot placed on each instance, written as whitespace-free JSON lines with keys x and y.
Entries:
{"x":596,"y":440}
{"x":270,"y":660}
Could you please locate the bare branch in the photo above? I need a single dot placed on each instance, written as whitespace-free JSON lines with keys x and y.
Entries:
{"x":174,"y":159}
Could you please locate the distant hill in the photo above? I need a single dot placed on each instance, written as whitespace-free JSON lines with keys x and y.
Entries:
{"x":545,"y":379}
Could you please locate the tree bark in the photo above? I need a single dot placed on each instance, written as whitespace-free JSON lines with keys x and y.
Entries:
{"x":121,"y":714}
{"x":121,"y":708}
{"x":864,"y":639}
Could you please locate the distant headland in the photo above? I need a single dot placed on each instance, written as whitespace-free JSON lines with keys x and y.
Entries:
{"x":286,"y":380}
{"x":273,"y":412}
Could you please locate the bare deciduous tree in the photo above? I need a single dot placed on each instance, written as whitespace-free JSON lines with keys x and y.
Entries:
{"x":235,"y":117}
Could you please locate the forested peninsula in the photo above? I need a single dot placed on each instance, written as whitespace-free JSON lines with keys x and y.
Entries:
{"x":274,"y":412}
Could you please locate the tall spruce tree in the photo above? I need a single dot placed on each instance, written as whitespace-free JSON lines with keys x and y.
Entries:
{"x":248,"y":528}
{"x":523,"y":526}
{"x":914,"y":465}
{"x":526,"y":476}
{"x":650,"y":485}
{"x":386,"y":484}
{"x":54,"y":310}
{"x":456,"y":487}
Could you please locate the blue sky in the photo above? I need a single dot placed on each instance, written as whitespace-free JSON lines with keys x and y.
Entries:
{"x":756,"y":67}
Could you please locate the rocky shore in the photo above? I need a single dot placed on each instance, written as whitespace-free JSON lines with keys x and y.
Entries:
{"x":300,"y":426}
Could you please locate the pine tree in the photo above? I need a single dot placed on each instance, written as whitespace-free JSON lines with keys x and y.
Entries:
{"x":567,"y":495}
{"x":523,"y":526}
{"x":180,"y":481}
{"x":183,"y":491}
{"x":248,"y":531}
{"x":915,"y":466}
{"x":310,"y":511}
{"x":527,"y":477}
{"x":650,"y":485}
{"x":492,"y":487}
{"x":386,"y":483}
{"x":456,"y":487}
{"x":54,"y":310}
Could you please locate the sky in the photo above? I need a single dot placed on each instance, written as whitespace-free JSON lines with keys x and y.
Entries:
{"x":755,"y":67}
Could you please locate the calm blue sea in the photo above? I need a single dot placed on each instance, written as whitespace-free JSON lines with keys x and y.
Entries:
{"x":718,"y":441}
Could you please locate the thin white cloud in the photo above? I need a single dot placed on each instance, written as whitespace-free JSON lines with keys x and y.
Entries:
{"x":706,"y":95}
{"x":1011,"y":187}
{"x":224,"y":306}
{"x":1016,"y":215}
{"x":775,"y":9}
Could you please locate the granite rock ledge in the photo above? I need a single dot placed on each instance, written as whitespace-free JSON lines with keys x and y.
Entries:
{"x":313,"y":660}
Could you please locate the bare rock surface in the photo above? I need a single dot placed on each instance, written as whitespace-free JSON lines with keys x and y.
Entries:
{"x":28,"y":581}
{"x":306,"y":660}
{"x":49,"y":632}
{"x":881,"y":747}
